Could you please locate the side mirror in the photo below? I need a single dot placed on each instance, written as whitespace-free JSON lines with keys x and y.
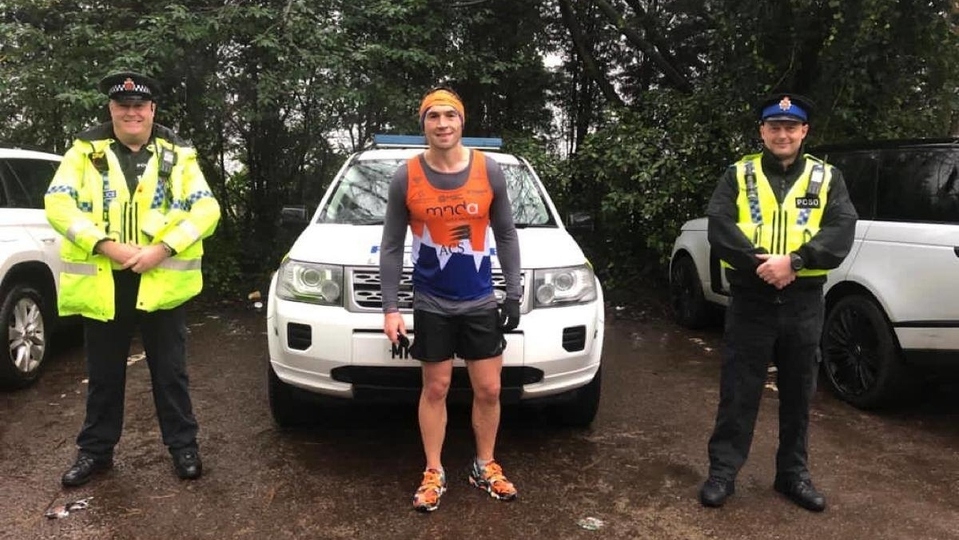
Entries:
{"x":294,"y":215}
{"x":579,"y":221}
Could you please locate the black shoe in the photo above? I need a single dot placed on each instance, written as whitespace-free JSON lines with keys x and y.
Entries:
{"x":715,"y":491}
{"x":802,"y":492}
{"x":83,"y":469}
{"x":187,"y":464}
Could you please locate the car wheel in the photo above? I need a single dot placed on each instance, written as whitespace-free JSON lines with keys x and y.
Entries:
{"x":861,"y":358}
{"x":689,"y":305}
{"x":24,"y":330}
{"x":582,"y":409}
{"x":286,"y":408}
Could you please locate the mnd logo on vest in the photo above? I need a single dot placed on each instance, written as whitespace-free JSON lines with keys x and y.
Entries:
{"x":808,"y":202}
{"x":453,"y":210}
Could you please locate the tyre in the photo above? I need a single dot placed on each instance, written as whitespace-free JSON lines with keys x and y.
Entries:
{"x":581,"y":410}
{"x":26,"y":324}
{"x":861,"y":357}
{"x":286,"y":408}
{"x":689,"y":305}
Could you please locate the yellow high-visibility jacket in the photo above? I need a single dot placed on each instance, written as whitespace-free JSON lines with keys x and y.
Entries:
{"x":88,"y":201}
{"x":781,"y":228}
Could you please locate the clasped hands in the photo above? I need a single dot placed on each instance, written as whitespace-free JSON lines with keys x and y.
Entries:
{"x":137,"y":258}
{"x":775,"y":270}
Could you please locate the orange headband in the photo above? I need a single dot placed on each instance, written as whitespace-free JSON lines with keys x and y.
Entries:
{"x":441,"y":97}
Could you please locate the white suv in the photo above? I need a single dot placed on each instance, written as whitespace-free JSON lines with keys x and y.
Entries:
{"x":29,"y":265}
{"x":324,"y":312}
{"x":893,"y":305}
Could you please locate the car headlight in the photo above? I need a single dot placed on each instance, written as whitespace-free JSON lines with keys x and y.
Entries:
{"x":313,"y":283}
{"x":557,"y":286}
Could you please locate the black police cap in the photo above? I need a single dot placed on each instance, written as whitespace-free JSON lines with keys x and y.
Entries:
{"x":786,"y":107}
{"x":129,"y":86}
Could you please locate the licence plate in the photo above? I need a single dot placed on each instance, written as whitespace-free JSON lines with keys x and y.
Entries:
{"x":400,"y":350}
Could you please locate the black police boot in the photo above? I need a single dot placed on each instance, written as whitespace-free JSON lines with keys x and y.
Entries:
{"x":83,"y":469}
{"x":187,"y":464}
{"x":715,"y":491}
{"x":802,"y":492}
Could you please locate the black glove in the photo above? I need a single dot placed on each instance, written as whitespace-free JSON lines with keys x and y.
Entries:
{"x":509,"y":314}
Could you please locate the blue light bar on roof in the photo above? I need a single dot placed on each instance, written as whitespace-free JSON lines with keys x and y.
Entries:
{"x":381,"y":140}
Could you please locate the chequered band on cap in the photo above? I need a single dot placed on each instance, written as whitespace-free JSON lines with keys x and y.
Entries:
{"x":129,"y":86}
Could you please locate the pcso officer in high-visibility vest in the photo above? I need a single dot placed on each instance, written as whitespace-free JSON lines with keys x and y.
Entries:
{"x":133,"y":207}
{"x":779,"y":221}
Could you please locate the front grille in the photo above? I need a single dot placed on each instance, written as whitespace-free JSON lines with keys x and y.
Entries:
{"x":365,"y":287}
{"x":366,"y":290}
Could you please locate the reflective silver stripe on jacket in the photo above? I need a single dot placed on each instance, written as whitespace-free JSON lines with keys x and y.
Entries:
{"x":180,"y":264}
{"x":79,"y":227}
{"x":189,"y":229}
{"x":84,"y":269}
{"x":75,"y":229}
{"x":752,"y":194}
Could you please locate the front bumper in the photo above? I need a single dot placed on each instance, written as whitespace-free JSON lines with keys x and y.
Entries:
{"x":338,"y":353}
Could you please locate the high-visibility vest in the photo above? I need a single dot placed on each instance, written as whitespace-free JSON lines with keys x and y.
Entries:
{"x":781,"y":228}
{"x":89,"y":201}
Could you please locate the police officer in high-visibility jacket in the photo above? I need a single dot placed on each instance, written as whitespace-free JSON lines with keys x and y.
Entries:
{"x":133,"y":207}
{"x":779,"y":221}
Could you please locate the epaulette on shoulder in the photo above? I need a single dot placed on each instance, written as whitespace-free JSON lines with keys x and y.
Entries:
{"x":169,"y":135}
{"x":829,"y":167}
{"x":747,"y":157}
{"x":97,"y":133}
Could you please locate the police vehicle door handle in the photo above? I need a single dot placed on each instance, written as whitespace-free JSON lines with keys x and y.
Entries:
{"x":956,"y":250}
{"x":52,"y":239}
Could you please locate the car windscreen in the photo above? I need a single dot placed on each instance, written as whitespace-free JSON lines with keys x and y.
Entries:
{"x":25,"y":180}
{"x":359,"y":197}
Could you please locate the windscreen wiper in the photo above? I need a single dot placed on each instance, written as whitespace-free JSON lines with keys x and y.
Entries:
{"x":534,"y":225}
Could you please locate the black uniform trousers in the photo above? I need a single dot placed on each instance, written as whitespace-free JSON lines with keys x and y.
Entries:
{"x":786,"y":331}
{"x":107,"y":347}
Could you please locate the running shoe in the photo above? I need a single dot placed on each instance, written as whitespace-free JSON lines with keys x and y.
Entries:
{"x":427,"y":497}
{"x":491,"y":480}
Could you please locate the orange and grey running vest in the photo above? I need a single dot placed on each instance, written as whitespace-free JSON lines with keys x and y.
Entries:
{"x":451,"y":235}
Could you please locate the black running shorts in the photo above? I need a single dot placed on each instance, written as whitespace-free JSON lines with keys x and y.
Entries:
{"x":473,"y":336}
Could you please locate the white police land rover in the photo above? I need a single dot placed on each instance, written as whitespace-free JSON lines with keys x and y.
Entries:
{"x":324,"y":312}
{"x":29,"y":265}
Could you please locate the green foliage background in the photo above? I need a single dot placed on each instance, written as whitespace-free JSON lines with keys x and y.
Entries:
{"x":643,"y":105}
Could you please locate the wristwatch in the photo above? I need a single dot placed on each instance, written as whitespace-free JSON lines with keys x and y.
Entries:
{"x":795,"y":261}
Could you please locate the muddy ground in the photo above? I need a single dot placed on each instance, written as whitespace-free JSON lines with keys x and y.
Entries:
{"x":634,"y":474}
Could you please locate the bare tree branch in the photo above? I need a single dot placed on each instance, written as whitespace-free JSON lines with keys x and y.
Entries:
{"x":467,"y":3}
{"x":653,"y":33}
{"x":675,"y":78}
{"x":582,"y":48}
